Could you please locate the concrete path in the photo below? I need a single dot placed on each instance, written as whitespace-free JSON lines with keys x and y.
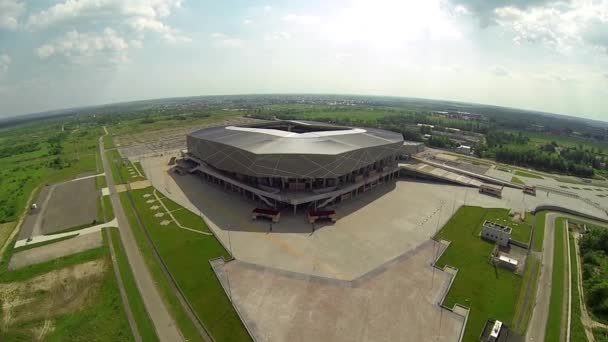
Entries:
{"x":87,"y":177}
{"x":165,"y":326}
{"x":50,"y":237}
{"x":540,"y":314}
{"x":53,"y":251}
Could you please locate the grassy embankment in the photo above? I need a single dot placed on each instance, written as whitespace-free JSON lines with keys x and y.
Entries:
{"x":577,"y":330}
{"x":528,"y":174}
{"x":557,"y":305}
{"x":142,"y":319}
{"x":517,"y":181}
{"x":183,"y":251}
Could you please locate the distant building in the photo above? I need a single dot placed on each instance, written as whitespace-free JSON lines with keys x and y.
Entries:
{"x":464,"y":149}
{"x":496,"y":232}
{"x":412,"y":147}
{"x":490,"y":190}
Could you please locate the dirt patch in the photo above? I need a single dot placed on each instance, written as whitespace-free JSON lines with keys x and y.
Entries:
{"x":71,"y":204}
{"x":54,"y":293}
{"x":55,"y":250}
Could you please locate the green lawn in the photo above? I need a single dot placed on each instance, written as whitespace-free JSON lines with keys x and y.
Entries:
{"x":477,"y":282}
{"x":539,"y":231}
{"x":184,"y":251}
{"x":108,"y":141}
{"x":120,"y":173}
{"x":144,"y":323}
{"x":138,"y":166}
{"x":169,"y":203}
{"x":184,"y":323}
{"x":528,"y":174}
{"x":108,"y":214}
{"x":517,"y":181}
{"x":100,"y":182}
{"x":556,"y":305}
{"x":600,"y":335}
{"x":577,"y":330}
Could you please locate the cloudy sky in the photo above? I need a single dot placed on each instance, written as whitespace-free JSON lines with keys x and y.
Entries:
{"x":536,"y":54}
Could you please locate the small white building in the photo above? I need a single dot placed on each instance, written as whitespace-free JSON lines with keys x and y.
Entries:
{"x":506,"y":262}
{"x":495,"y":232}
{"x":464,"y":149}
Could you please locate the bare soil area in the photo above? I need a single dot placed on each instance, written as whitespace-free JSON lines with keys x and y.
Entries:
{"x":54,"y":293}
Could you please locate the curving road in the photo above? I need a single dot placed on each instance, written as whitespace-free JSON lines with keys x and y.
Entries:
{"x":165,"y":326}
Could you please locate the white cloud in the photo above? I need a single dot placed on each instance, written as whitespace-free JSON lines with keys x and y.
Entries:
{"x":267,"y":8}
{"x":501,"y":71}
{"x":301,"y":19}
{"x":563,"y":27}
{"x":277,"y":36}
{"x":247,"y":22}
{"x":222,"y":40}
{"x":10,"y":11}
{"x":168,"y":33}
{"x":140,"y":15}
{"x":5,"y":60}
{"x":86,"y":47}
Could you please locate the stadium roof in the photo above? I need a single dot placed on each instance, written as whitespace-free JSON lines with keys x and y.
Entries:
{"x":297,"y":137}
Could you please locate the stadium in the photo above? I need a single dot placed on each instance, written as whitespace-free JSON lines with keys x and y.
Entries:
{"x":295,"y":163}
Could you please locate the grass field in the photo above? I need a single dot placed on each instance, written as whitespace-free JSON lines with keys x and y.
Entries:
{"x":577,"y":330}
{"x":109,"y":211}
{"x":108,"y":141}
{"x":517,"y":181}
{"x":477,"y":282}
{"x":32,"y":160}
{"x":184,"y":216}
{"x":100,"y":182}
{"x":528,"y":174}
{"x":144,"y":323}
{"x":5,"y":231}
{"x":539,"y":231}
{"x":184,"y":251}
{"x":600,"y":335}
{"x":119,"y":169}
{"x":556,"y":305}
{"x":503,"y":169}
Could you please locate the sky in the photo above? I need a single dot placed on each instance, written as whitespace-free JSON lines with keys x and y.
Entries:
{"x":543,"y":55}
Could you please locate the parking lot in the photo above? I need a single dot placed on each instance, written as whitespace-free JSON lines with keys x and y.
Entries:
{"x":398,"y":302}
{"x":71,"y":204}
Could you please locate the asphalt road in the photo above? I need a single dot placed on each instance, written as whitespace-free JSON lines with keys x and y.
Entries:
{"x":540,"y":314}
{"x":165,"y":326}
